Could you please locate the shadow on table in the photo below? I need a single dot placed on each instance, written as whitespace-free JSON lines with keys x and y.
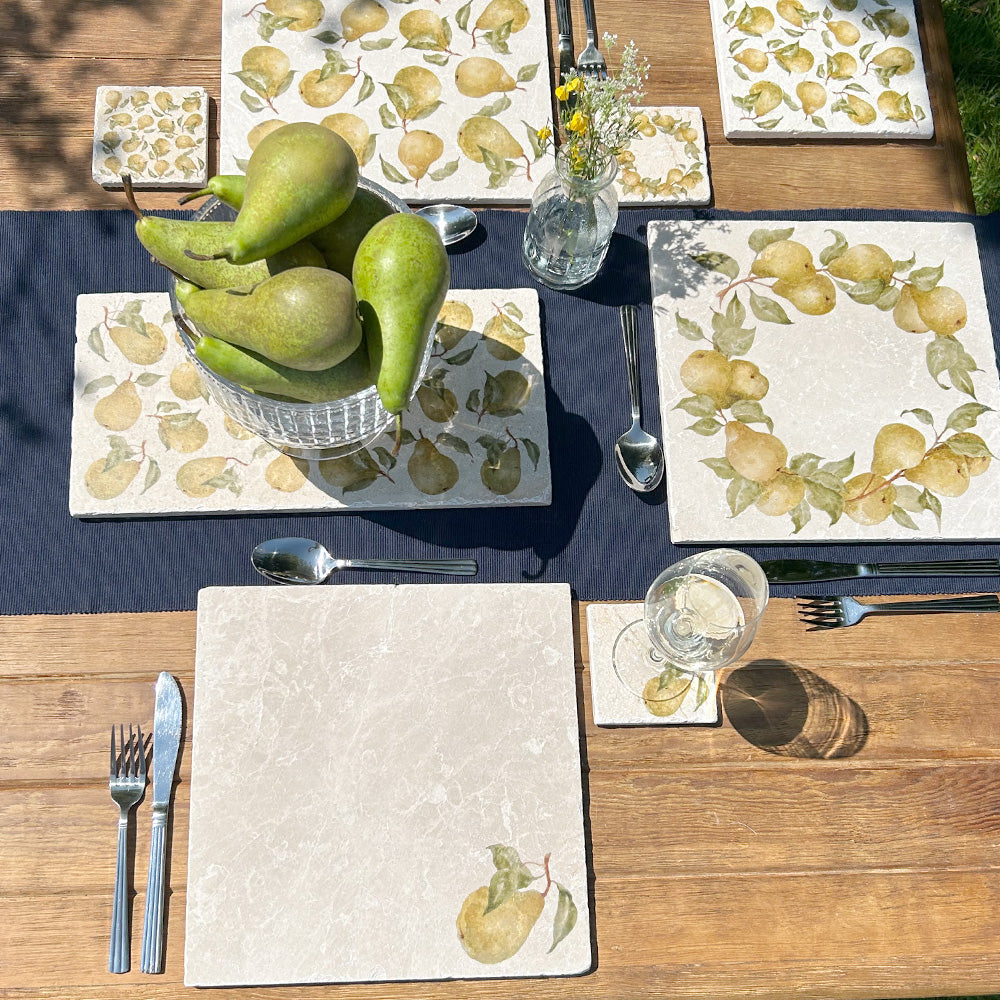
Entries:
{"x":576,"y":461}
{"x":789,"y":711}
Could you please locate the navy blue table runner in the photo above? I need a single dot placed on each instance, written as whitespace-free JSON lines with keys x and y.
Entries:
{"x":598,"y":536}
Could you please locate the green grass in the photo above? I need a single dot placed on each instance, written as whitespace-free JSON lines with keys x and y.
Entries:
{"x":973,"y":29}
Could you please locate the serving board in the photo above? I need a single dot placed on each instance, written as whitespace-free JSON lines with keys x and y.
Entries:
{"x":148,"y":439}
{"x":833,"y":380}
{"x":841,"y":69}
{"x":396,"y":81}
{"x":365,"y":758}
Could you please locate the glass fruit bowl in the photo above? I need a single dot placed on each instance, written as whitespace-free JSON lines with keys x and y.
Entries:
{"x":303,"y":430}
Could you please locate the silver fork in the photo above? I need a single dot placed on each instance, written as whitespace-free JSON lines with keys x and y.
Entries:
{"x":590,"y":62}
{"x":841,"y":612}
{"x":127,"y":783}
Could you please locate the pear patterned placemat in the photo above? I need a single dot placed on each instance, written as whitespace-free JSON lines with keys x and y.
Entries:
{"x":807,"y":69}
{"x":667,"y":162}
{"x":441,"y":100}
{"x":825,"y":381}
{"x":404,"y":756}
{"x":156,"y":135}
{"x":688,"y":699}
{"x":147,"y":438}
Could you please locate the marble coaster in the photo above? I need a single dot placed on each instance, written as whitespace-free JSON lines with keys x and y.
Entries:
{"x":156,"y":135}
{"x":614,"y":704}
{"x":441,"y":100}
{"x":840,"y":70}
{"x":148,"y":439}
{"x":366,"y":762}
{"x":667,"y":163}
{"x":858,"y":402}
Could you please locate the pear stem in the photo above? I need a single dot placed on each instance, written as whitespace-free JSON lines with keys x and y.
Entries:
{"x":130,"y":196}
{"x":191,"y":195}
{"x":202,"y":256}
{"x":399,"y":434}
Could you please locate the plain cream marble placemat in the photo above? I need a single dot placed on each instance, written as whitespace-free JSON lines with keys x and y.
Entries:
{"x":148,"y":440}
{"x":614,"y":704}
{"x":365,"y":759}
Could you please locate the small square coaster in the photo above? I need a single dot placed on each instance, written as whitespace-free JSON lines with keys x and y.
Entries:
{"x":156,"y":135}
{"x":614,"y":704}
{"x":667,"y":163}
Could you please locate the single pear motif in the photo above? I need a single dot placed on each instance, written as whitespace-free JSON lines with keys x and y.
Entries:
{"x":846,"y":32}
{"x":267,"y":67}
{"x":286,"y":474}
{"x":105,"y":482}
{"x":453,"y":323}
{"x":862,"y":262}
{"x":320,"y":92}
{"x":746,"y":381}
{"x":415,"y":90}
{"x":304,"y":318}
{"x":859,"y":111}
{"x":941,"y":471}
{"x":141,"y":348}
{"x":497,"y":13}
{"x":182,"y":432}
{"x":418,"y":150}
{"x":354,"y":132}
{"x":896,"y":58}
{"x":257,"y":373}
{"x":423,"y":29}
{"x":815,"y":296}
{"x":755,"y":21}
{"x":352,"y":472}
{"x":707,"y":373}
{"x":301,"y":177}
{"x":767,"y":96}
{"x":788,"y":260}
{"x":905,"y":313}
{"x":504,"y":337}
{"x":438,"y":403}
{"x":782,"y":494}
{"x":973,"y":448}
{"x":120,"y":409}
{"x":755,"y":60}
{"x":431,"y":471}
{"x":841,"y":66}
{"x":503,"y":477}
{"x":186,"y":382}
{"x":258,"y":132}
{"x":897,"y":446}
{"x":868,"y":499}
{"x":362,"y":17}
{"x":479,"y":133}
{"x":477,"y":76}
{"x":201,"y":477}
{"x":401,"y":276}
{"x":942,"y":308}
{"x":499,"y":934}
{"x":755,"y":455}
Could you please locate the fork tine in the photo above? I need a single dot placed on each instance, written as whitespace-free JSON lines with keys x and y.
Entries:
{"x":113,"y":767}
{"x":131,"y":752}
{"x":142,"y":753}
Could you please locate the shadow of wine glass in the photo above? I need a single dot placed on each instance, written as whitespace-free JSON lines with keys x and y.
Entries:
{"x":787,"y":710}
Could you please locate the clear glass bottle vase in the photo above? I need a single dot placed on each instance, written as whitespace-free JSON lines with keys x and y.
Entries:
{"x":570,"y":224}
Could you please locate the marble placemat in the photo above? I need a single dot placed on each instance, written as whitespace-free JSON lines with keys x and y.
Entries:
{"x":441,"y":101}
{"x":368,"y":764}
{"x":667,"y":162}
{"x":824,"y":406}
{"x":843,"y":69}
{"x":156,"y":135}
{"x":614,"y":704}
{"x":147,"y":439}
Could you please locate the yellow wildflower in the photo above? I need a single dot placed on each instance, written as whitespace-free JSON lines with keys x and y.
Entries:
{"x":544,"y":134}
{"x":561,"y":93}
{"x":578,"y":123}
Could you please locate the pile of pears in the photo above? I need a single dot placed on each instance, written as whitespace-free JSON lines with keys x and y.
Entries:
{"x":318,"y":289}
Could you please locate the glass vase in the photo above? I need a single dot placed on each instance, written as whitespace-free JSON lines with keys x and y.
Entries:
{"x":570,"y":224}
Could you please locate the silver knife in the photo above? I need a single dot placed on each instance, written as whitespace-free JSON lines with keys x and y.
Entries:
{"x":815,"y":571}
{"x":166,"y":741}
{"x":565,"y":25}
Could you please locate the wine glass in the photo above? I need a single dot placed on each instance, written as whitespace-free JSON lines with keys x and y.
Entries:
{"x":700,"y":614}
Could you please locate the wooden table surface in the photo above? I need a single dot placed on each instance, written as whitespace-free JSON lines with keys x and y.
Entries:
{"x":848,"y":849}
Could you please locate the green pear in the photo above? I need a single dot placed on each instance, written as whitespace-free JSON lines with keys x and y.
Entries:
{"x":169,"y":240}
{"x":431,"y":471}
{"x":228,"y":188}
{"x":299,"y":178}
{"x":305,"y":318}
{"x":401,"y":276}
{"x":339,"y":241}
{"x":259,"y":374}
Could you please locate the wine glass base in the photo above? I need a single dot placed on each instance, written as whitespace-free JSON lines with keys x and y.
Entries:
{"x":648,"y":675}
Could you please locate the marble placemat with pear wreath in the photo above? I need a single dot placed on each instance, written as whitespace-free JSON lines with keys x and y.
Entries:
{"x":148,"y":439}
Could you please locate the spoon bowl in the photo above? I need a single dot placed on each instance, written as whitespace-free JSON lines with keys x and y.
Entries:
{"x":304,"y":561}
{"x":638,"y":455}
{"x":453,"y":222}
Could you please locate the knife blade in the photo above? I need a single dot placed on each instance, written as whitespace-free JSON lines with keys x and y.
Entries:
{"x":166,"y":742}
{"x":817,"y":571}
{"x":565,"y":25}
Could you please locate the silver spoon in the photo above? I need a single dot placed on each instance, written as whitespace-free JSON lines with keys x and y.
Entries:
{"x":638,"y":454}
{"x":301,"y":560}
{"x":453,"y":222}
